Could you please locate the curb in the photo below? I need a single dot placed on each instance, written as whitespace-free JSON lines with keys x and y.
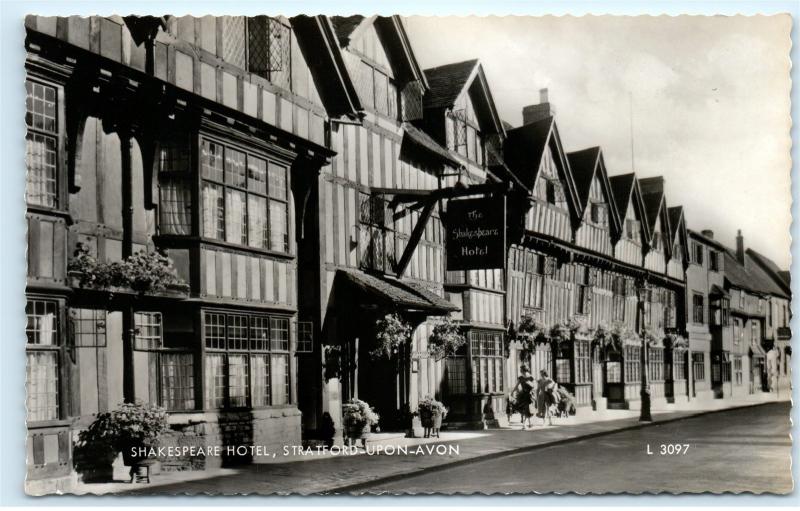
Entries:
{"x":356,"y":487}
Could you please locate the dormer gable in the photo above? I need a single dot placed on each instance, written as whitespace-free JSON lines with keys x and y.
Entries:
{"x":633,"y":217}
{"x":382,"y":65}
{"x":595,"y":198}
{"x":678,"y":237}
{"x":535,"y":154}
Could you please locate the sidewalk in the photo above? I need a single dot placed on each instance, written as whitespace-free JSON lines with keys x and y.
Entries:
{"x":397,"y":457}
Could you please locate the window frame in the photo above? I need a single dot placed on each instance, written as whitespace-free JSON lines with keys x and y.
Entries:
{"x":480,"y":378}
{"x":698,"y":308}
{"x":221,"y":183}
{"x":60,"y":137}
{"x":248,"y":352}
{"x":55,"y":348}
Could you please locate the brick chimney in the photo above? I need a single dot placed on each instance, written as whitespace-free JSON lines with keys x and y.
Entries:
{"x":740,"y":247}
{"x":542,"y":110}
{"x":708,"y":233}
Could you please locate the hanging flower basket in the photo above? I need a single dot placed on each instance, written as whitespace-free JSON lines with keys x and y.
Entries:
{"x":446,"y":339}
{"x":391,"y":331}
{"x":530,"y":333}
{"x":675,"y":342}
{"x":654,"y":338}
{"x":333,"y":361}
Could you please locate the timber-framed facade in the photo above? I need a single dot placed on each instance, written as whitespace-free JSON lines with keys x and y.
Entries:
{"x":296,"y":174}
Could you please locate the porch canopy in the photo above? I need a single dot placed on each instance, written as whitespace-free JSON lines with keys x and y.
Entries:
{"x":401,"y":294}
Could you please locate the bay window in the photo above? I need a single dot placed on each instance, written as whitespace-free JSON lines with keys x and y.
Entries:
{"x":42,"y":356}
{"x":246,"y":360}
{"x":245,"y":198}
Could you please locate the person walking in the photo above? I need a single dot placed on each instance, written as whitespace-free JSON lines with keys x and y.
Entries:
{"x":545,"y":397}
{"x":521,"y":398}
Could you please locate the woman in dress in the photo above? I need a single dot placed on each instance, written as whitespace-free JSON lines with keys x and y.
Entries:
{"x":545,"y":397}
{"x":522,"y":396}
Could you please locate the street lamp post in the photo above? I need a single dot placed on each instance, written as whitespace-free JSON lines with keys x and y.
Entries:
{"x":644,"y":415}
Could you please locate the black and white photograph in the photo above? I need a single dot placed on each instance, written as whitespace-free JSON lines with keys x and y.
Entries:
{"x":405,"y":255}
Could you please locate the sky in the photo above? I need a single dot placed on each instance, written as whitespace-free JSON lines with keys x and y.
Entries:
{"x":708,"y":98}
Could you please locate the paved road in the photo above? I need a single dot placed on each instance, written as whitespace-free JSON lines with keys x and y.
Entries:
{"x":740,"y":450}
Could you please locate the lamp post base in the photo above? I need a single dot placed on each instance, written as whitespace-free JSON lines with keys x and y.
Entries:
{"x":644,"y":414}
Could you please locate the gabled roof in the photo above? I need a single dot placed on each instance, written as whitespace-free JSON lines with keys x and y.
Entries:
{"x":780,"y":277}
{"x":626,"y":188}
{"x":344,"y":26}
{"x":750,"y":277}
{"x":677,"y":224}
{"x":654,"y":201}
{"x":393,"y":34}
{"x":448,"y":82}
{"x":523,"y":151}
{"x":585,"y":165}
{"x":525,"y":147}
{"x":316,"y":37}
{"x":705,"y":239}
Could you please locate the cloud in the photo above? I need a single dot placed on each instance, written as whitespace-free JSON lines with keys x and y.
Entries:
{"x":710,"y":98}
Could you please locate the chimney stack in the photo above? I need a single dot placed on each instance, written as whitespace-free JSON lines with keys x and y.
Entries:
{"x":740,"y":247}
{"x":708,"y":233}
{"x":542,"y":110}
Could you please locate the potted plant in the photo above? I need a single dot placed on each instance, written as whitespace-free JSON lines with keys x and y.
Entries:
{"x":391,"y":331}
{"x":127,"y":430}
{"x":358,"y":418}
{"x":446,"y":339}
{"x":431,"y":412}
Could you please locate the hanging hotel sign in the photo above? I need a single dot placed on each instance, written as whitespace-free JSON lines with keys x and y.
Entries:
{"x":476,"y":231}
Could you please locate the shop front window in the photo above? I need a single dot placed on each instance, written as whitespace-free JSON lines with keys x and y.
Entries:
{"x":246,"y":361}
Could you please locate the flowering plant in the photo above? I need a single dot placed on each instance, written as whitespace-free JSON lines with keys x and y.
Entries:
{"x":446,"y":339}
{"x":357,"y":415}
{"x":130,"y":425}
{"x":141,"y":271}
{"x":530,"y":333}
{"x":390,"y":332}
{"x":675,"y":341}
{"x":561,"y":331}
{"x":613,"y":336}
{"x":333,"y":361}
{"x":653,"y":337}
{"x":429,"y":407}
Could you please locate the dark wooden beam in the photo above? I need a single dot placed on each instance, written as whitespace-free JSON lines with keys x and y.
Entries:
{"x":416,"y":234}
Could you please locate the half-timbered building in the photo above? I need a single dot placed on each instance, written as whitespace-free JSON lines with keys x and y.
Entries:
{"x":584,"y":257}
{"x":460,"y":115}
{"x":357,"y":268}
{"x":192,"y":137}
